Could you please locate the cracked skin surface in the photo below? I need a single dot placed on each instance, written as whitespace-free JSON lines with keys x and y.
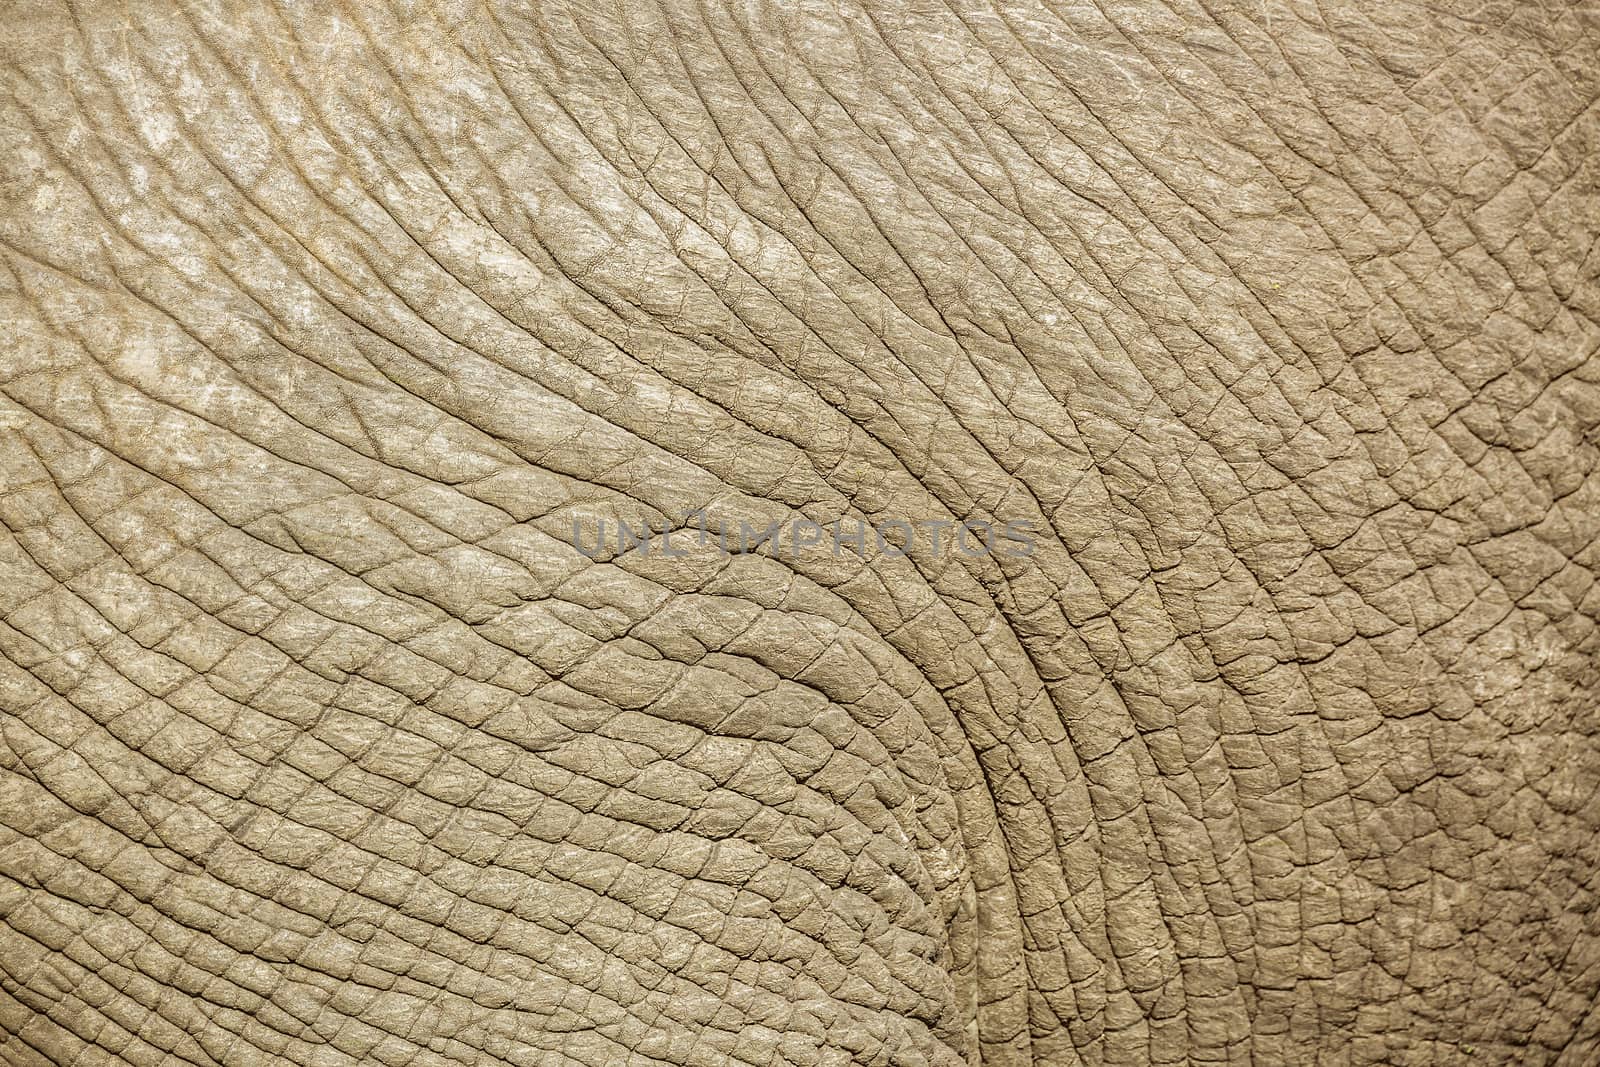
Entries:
{"x":323,"y":745}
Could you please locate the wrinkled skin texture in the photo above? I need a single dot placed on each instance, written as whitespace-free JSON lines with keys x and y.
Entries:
{"x":322,"y":744}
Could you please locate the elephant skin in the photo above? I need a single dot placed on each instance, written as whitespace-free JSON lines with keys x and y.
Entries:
{"x":325,"y":742}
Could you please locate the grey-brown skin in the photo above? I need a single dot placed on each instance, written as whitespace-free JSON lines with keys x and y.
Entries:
{"x":323,"y":745}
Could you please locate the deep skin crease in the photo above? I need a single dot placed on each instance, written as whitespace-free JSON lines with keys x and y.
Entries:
{"x":323,"y":325}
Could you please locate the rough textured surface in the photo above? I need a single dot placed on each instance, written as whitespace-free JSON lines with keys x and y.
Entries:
{"x":323,"y":744}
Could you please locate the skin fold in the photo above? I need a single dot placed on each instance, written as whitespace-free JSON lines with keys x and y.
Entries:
{"x":322,"y":326}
